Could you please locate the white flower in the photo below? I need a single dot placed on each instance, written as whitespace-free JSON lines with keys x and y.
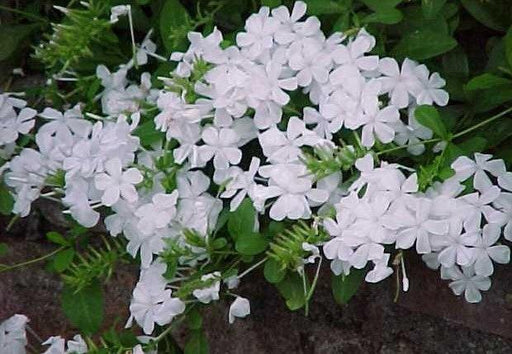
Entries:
{"x":149,"y":307}
{"x":289,"y":22}
{"x":418,"y":226}
{"x":322,"y":124}
{"x":151,"y":302}
{"x":196,"y":209}
{"x":116,"y":184}
{"x":455,"y":247}
{"x":311,"y":63}
{"x":20,"y":123}
{"x":373,"y":221}
{"x":465,"y":167}
{"x":504,"y":217}
{"x":294,"y":190}
{"x":158,"y":213}
{"x":239,"y":308}
{"x":380,"y":271}
{"x":486,"y":250}
{"x":468,"y":283}
{"x":65,"y":124}
{"x":221,"y":144}
{"x":430,"y":87}
{"x":77,"y":345}
{"x":13,"y":338}
{"x":56,"y":343}
{"x":260,"y":29}
{"x":412,"y":134}
{"x":281,"y":147}
{"x":117,"y":11}
{"x":476,"y":204}
{"x":399,"y":83}
{"x":379,"y":122}
{"x":352,"y":55}
{"x":211,"y":292}
{"x":241,"y":185}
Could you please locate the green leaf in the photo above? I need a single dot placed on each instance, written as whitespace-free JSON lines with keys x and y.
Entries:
{"x":473,"y":144}
{"x":423,"y":44}
{"x":194,"y":319}
{"x":148,"y":134}
{"x":487,"y":81}
{"x":63,"y":259}
{"x":345,"y":286}
{"x":292,"y":289}
{"x":428,"y":116}
{"x":451,"y":152}
{"x":508,"y":46}
{"x":271,"y":3}
{"x":241,"y":221}
{"x":455,"y":63}
{"x":172,"y":18}
{"x":6,"y":200}
{"x":57,"y":238}
{"x":3,"y":249}
{"x":414,"y":20}
{"x":219,"y":243}
{"x":494,"y":14}
{"x":221,"y":220}
{"x":485,"y":100}
{"x":197,"y":343}
{"x":497,"y":56}
{"x":273,"y":271}
{"x":431,"y":8}
{"x":250,"y":244}
{"x":381,"y":5}
{"x":326,"y":7}
{"x":12,"y":38}
{"x":386,"y":16}
{"x":84,"y":308}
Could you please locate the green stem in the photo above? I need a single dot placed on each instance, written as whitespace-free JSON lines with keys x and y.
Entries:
{"x":315,"y":280}
{"x":253,"y":267}
{"x":396,"y":148}
{"x":305,"y":286}
{"x":32,"y":261}
{"x":455,"y":136}
{"x":481,"y":124}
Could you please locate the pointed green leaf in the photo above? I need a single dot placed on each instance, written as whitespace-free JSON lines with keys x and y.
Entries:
{"x":431,"y":8}
{"x":173,"y":18}
{"x":250,"y":244}
{"x":3,"y":249}
{"x":63,"y":259}
{"x":423,"y":44}
{"x":428,"y":116}
{"x":292,"y":289}
{"x":197,"y":343}
{"x":493,"y":14}
{"x":273,"y":271}
{"x":345,"y":286}
{"x":57,"y":238}
{"x":84,"y":308}
{"x":6,"y":200}
{"x":242,"y":220}
{"x":487,"y":81}
{"x":508,"y":46}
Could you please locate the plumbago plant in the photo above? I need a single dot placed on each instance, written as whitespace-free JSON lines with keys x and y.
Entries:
{"x":280,"y":150}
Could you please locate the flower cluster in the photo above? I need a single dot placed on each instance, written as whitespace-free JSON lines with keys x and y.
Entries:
{"x":228,"y":131}
{"x":455,"y":231}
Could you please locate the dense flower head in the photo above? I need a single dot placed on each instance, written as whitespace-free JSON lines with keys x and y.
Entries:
{"x":227,"y":135}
